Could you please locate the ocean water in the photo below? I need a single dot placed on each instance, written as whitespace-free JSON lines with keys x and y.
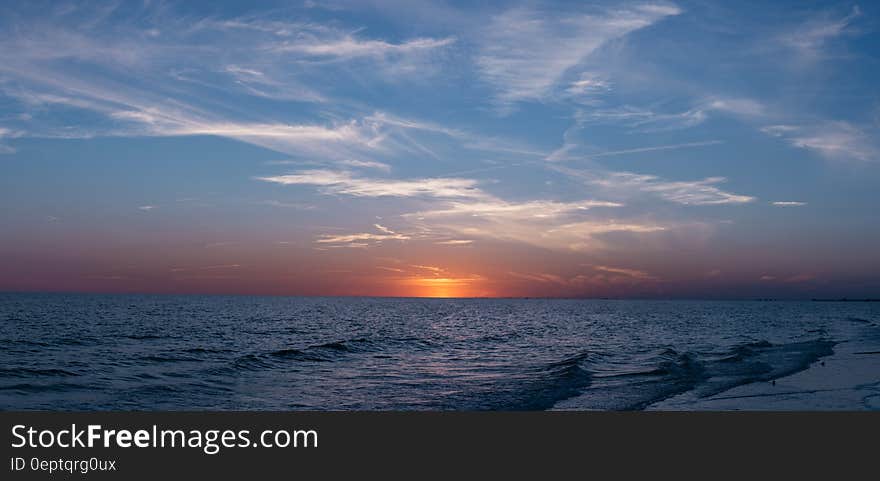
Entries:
{"x":118,"y":352}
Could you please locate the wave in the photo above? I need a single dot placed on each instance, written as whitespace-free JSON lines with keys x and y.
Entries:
{"x":763,"y":363}
{"x":169,"y":358}
{"x":24,"y":372}
{"x":205,"y":350}
{"x":560,"y":380}
{"x":143,"y":337}
{"x":701,"y":374}
{"x":300,"y":355}
{"x":325,"y":352}
{"x":858,"y":320}
{"x":37,"y":388}
{"x":538,"y":388}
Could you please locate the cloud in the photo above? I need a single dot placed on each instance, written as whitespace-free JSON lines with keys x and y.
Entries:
{"x":366,"y":236}
{"x":206,"y":268}
{"x":461,"y":209}
{"x":363,"y":239}
{"x":294,"y":133}
{"x":789,"y":203}
{"x":563,"y":230}
{"x":348,"y":47}
{"x":540,"y":277}
{"x":810,"y":39}
{"x":497,"y":208}
{"x":633,"y":273}
{"x":696,"y":192}
{"x":136,"y":112}
{"x":327,"y":141}
{"x":432,"y":269}
{"x":699,"y":192}
{"x":383,"y":229}
{"x":390,"y":269}
{"x":189,"y":79}
{"x":316,"y":42}
{"x":837,"y":140}
{"x":588,"y":84}
{"x":342,"y":182}
{"x":366,"y":164}
{"x":657,"y":148}
{"x":455,"y":242}
{"x":524,"y":53}
{"x":650,"y":120}
{"x":599,"y":275}
{"x":743,"y":107}
{"x":644,"y":120}
{"x":288,"y":205}
{"x":147,"y":208}
{"x":273,"y":86}
{"x":795,"y":279}
{"x":5,"y":149}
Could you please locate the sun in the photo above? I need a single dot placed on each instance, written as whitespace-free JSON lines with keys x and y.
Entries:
{"x":439,"y":287}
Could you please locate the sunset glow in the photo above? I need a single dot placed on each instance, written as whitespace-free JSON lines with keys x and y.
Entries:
{"x":660,"y":149}
{"x":443,"y":287}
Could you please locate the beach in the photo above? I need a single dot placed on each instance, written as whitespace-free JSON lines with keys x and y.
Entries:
{"x":848,"y":380}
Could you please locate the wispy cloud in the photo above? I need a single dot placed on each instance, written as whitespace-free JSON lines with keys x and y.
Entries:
{"x":594,"y":275}
{"x":288,"y":205}
{"x":366,"y":236}
{"x":384,"y":229}
{"x":698,"y":192}
{"x":455,"y":242}
{"x":314,"y":42}
{"x":497,"y":208}
{"x":561,"y":231}
{"x":744,"y":107}
{"x":350,"y":47}
{"x":695,"y":192}
{"x":461,"y":209}
{"x":7,"y":133}
{"x":811,"y":38}
{"x":390,"y":269}
{"x":644,"y":119}
{"x":363,"y":239}
{"x":539,"y":277}
{"x":656,"y":148}
{"x":789,"y":203}
{"x":526,"y":52}
{"x":342,"y":182}
{"x":153,"y":73}
{"x":366,"y":164}
{"x":588,"y":84}
{"x":653,"y":120}
{"x":833,"y":140}
{"x":633,"y":273}
{"x":206,"y":268}
{"x":432,"y":269}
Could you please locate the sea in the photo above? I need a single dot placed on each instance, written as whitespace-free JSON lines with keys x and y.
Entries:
{"x":145,"y":352}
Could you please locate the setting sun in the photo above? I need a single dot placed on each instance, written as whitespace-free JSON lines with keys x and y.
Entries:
{"x":441,"y":287}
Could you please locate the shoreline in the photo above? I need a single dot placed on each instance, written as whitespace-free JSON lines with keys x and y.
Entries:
{"x":846,"y":380}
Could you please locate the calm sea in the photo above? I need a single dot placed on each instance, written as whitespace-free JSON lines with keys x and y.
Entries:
{"x":87,"y":352}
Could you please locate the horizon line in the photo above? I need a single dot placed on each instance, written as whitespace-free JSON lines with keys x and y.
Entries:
{"x":584,"y":298}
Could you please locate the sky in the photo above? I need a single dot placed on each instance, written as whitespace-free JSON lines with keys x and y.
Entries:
{"x":694,"y":149}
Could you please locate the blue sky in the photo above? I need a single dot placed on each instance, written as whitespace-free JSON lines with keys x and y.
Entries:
{"x":707,"y":149}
